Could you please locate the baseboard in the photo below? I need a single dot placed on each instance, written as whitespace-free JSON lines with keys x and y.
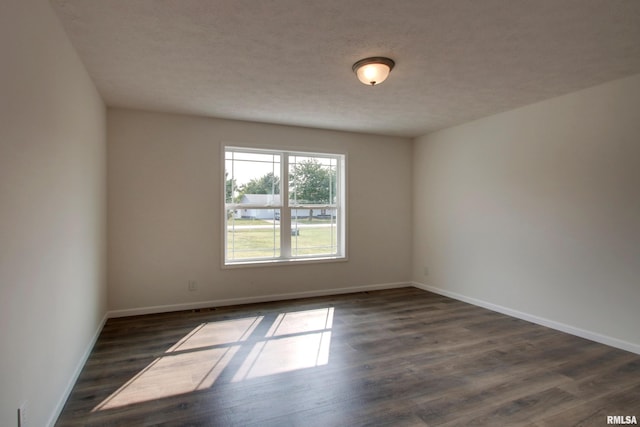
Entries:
{"x":582,"y":333}
{"x":76,"y":373}
{"x":251,"y":300}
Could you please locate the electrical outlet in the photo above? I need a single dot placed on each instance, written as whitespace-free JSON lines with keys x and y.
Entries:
{"x":22,"y":415}
{"x":193,"y":285}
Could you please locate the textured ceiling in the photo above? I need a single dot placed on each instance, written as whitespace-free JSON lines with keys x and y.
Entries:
{"x":289,"y":61}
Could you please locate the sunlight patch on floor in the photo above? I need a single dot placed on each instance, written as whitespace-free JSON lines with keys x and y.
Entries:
{"x":299,"y":340}
{"x":301,"y":322}
{"x":189,"y":365}
{"x":285,"y":354}
{"x":217,"y":333}
{"x":294,"y":340}
{"x":172,"y":375}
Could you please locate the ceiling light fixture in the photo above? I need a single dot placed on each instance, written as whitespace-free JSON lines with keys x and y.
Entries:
{"x":373,"y":71}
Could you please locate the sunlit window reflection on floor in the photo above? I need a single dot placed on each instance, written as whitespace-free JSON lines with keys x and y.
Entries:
{"x":298,"y":340}
{"x":172,"y":375}
{"x":301,"y":322}
{"x":294,"y":340}
{"x":286,"y":354}
{"x":217,"y":333}
{"x":182,"y":370}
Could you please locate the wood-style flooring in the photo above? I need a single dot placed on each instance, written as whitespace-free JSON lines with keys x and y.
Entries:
{"x":401,"y":357}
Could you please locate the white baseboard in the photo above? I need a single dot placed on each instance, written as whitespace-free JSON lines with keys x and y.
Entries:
{"x":76,"y":373}
{"x":251,"y":300}
{"x":582,"y":333}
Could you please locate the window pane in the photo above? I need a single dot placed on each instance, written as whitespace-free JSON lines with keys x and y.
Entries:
{"x":253,"y":236}
{"x":312,"y":180}
{"x":252,"y":178}
{"x":255,"y":196}
{"x":314,"y":232}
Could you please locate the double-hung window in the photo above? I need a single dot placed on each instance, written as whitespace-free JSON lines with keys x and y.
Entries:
{"x":283,"y":206}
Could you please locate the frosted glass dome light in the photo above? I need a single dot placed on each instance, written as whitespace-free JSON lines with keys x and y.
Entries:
{"x":373,"y":71}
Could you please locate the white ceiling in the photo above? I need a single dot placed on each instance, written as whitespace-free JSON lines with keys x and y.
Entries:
{"x":289,"y":61}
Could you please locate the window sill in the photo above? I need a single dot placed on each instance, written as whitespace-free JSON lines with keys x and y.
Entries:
{"x":281,"y":262}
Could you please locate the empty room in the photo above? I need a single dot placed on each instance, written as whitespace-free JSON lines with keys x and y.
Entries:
{"x":333,"y":213}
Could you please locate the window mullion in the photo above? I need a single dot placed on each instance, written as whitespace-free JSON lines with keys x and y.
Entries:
{"x":285,"y":212}
{"x":340,"y":202}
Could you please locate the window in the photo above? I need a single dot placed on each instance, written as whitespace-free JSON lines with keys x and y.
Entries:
{"x":283,"y":206}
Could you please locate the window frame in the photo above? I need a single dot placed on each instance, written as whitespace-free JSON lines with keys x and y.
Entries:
{"x":286,"y":208}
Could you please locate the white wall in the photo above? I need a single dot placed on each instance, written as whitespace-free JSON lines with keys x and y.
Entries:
{"x":165,"y":211}
{"x":52,"y":212}
{"x":537,"y":210}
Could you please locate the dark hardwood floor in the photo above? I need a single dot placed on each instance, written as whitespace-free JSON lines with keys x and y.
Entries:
{"x":399,"y":357}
